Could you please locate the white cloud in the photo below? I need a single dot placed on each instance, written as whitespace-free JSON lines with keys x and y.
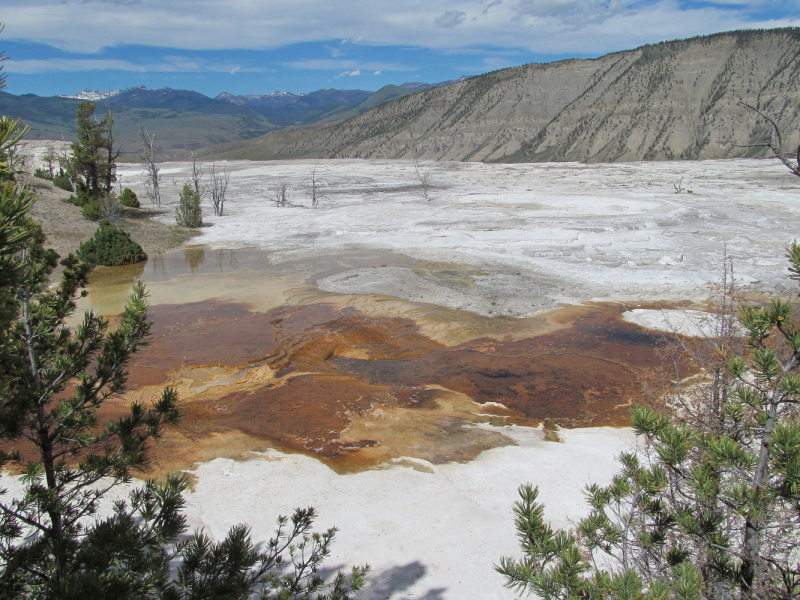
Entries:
{"x":542,"y":26}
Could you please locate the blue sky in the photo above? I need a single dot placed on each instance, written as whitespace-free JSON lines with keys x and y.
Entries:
{"x":260,"y":46}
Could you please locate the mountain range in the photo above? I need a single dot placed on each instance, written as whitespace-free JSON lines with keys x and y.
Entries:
{"x":683,"y":99}
{"x":185,"y":121}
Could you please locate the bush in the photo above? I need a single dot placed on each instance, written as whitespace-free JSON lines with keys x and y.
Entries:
{"x":62,"y":181}
{"x":90,"y":210}
{"x":110,"y":246}
{"x":107,"y":207}
{"x":129,"y":199}
{"x":188,"y":212}
{"x":42,"y":173}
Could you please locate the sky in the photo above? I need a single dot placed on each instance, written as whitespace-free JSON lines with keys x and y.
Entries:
{"x":61,"y":47}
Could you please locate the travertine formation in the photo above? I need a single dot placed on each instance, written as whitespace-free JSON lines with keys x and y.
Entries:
{"x":673,"y":100}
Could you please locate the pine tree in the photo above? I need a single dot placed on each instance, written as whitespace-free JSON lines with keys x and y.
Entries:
{"x":94,"y":158}
{"x":710,"y":505}
{"x":189,"y":213}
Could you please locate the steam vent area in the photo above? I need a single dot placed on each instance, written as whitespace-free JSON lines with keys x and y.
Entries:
{"x":404,"y":359}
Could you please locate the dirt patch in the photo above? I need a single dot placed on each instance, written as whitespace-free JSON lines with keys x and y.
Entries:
{"x":66,"y":228}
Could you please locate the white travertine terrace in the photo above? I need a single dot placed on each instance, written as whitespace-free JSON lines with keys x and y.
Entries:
{"x":537,"y":235}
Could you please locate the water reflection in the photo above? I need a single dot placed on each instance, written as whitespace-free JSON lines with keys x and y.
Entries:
{"x":194,"y":257}
{"x":226,"y":260}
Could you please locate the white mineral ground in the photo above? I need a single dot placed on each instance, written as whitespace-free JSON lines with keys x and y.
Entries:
{"x":543,"y":234}
{"x":694,"y":323}
{"x":534,"y":236}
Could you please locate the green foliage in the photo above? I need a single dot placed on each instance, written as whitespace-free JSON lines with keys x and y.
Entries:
{"x":129,"y":199}
{"x":42,"y":173}
{"x":93,"y":157}
{"x":110,"y":246}
{"x":709,"y":507}
{"x":62,"y":181}
{"x":91,"y":210}
{"x":106,"y":207}
{"x":188,"y":213}
{"x":11,"y":132}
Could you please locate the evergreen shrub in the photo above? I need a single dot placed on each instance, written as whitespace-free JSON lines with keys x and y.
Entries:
{"x":42,"y":173}
{"x":110,"y":246}
{"x":129,"y":198}
{"x":188,"y":212}
{"x":90,"y":210}
{"x":62,"y":181}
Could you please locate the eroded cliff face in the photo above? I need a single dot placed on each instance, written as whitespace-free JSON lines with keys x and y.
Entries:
{"x":674,"y":100}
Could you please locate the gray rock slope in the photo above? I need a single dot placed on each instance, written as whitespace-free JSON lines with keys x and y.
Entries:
{"x":673,"y":100}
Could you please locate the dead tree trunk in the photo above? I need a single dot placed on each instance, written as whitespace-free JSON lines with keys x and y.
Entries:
{"x":196,"y":178}
{"x":775,"y":142}
{"x":151,"y":167}
{"x":423,"y":174}
{"x":219,"y":189}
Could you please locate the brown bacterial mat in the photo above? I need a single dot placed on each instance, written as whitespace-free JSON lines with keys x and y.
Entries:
{"x":355,"y":390}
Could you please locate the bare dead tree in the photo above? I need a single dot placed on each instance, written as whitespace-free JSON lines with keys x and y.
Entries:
{"x":775,"y":142}
{"x":111,"y":209}
{"x":195,"y":178}
{"x":678,"y":185}
{"x":281,"y":198}
{"x":219,"y":189}
{"x":423,"y":174}
{"x":151,"y":167}
{"x":318,"y":187}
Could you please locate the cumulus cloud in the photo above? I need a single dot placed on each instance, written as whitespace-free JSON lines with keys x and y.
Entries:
{"x":450,"y":19}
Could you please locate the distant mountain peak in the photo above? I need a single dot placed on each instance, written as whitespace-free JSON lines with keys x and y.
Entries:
{"x":96,"y":95}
